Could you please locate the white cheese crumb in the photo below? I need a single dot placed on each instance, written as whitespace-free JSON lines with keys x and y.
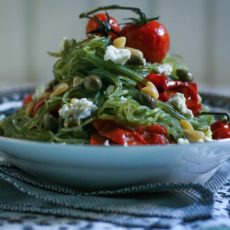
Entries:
{"x":179,"y":102}
{"x":119,"y":56}
{"x":39,"y":91}
{"x":208,"y":139}
{"x":182,"y":141}
{"x":123,"y":99}
{"x":165,"y":69}
{"x":76,"y":109}
{"x":106,"y":143}
{"x":208,"y":135}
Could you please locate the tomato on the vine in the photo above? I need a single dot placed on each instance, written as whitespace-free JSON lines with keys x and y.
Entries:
{"x":145,"y":34}
{"x":103,"y":24}
{"x":152,"y":38}
{"x":220,"y":130}
{"x":219,"y":124}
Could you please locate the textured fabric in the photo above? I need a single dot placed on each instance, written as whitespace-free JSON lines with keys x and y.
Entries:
{"x":134,"y":206}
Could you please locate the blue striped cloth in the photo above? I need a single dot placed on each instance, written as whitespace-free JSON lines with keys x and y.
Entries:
{"x":135,"y":206}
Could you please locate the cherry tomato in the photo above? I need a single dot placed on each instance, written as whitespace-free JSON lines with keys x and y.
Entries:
{"x":219,"y":124}
{"x":97,"y":139}
{"x":167,"y":88}
{"x":27,"y":99}
{"x":221,"y":133}
{"x":154,"y":134}
{"x":151,"y":38}
{"x":115,"y":133}
{"x":109,"y":25}
{"x":220,"y":130}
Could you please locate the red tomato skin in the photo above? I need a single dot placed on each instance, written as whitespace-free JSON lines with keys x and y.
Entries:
{"x":151,"y":38}
{"x":158,"y":139}
{"x":92,"y":25}
{"x":154,"y":134}
{"x":167,"y":88}
{"x":97,"y":139}
{"x":219,"y":124}
{"x":220,"y":130}
{"x":221,"y":133}
{"x":115,"y":133}
{"x":27,"y":99}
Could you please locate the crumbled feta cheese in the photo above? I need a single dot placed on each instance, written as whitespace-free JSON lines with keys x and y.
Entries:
{"x":123,"y":99}
{"x":164,"y":69}
{"x":179,"y":102}
{"x":182,"y":141}
{"x":106,"y":143}
{"x":208,"y":135}
{"x":208,"y":139}
{"x":76,"y":109}
{"x":119,"y":56}
{"x":109,"y":90}
{"x":39,"y":91}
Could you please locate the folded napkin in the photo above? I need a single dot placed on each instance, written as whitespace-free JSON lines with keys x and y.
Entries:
{"x":138,"y":206}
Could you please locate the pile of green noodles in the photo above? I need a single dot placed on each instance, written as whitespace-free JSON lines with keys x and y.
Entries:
{"x":116,"y":100}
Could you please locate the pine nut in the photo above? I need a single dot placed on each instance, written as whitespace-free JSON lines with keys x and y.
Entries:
{"x":119,"y":42}
{"x":151,"y":90}
{"x":186,"y":124}
{"x":194,"y":135}
{"x":60,"y":89}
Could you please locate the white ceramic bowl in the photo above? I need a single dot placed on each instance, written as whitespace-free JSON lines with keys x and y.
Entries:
{"x":101,"y":167}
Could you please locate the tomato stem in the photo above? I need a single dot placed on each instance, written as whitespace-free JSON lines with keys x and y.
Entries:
{"x":104,"y":27}
{"x":217,"y":114}
{"x":142,"y":17}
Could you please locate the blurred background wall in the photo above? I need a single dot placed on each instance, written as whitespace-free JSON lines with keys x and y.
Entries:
{"x":199,"y":30}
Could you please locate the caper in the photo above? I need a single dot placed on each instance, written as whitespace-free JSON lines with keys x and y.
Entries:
{"x":136,"y":57}
{"x":92,"y":83}
{"x":184,"y":75}
{"x":145,"y":99}
{"x":51,"y":123}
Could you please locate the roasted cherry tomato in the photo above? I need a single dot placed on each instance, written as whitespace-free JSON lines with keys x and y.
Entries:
{"x":154,"y":134}
{"x":152,"y":38}
{"x":117,"y":134}
{"x":27,"y":99}
{"x":167,"y":88}
{"x":221,"y":133}
{"x":219,"y":124}
{"x":103,"y":24}
{"x":97,"y":139}
{"x":220,"y":130}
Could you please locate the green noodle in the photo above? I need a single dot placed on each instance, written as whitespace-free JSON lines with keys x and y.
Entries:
{"x":115,"y":100}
